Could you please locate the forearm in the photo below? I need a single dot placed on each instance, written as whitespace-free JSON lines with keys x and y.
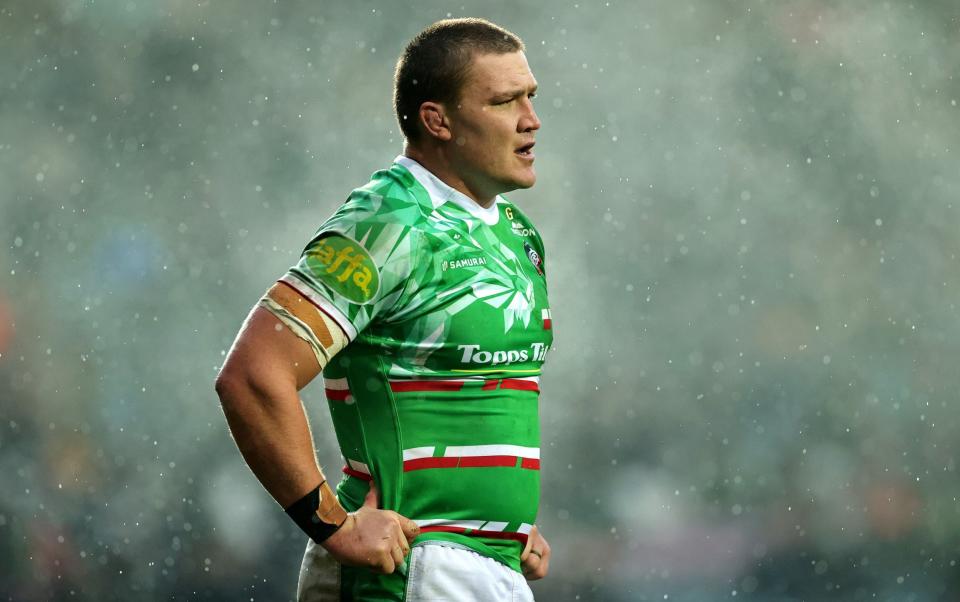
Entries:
{"x":272,"y":433}
{"x":283,"y":345}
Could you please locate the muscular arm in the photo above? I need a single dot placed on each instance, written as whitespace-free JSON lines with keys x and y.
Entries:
{"x":258,"y":388}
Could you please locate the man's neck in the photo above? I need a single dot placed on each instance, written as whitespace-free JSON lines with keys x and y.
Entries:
{"x":437,"y":163}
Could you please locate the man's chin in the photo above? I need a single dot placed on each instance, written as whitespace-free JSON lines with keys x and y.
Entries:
{"x":527,"y":180}
{"x":516,"y":182}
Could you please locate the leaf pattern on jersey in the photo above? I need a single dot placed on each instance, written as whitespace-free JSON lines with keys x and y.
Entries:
{"x":505,"y":287}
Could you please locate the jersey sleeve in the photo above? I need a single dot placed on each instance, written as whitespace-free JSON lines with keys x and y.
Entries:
{"x":359,"y":264}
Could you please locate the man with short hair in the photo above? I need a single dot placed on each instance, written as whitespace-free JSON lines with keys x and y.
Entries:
{"x":423,"y":301}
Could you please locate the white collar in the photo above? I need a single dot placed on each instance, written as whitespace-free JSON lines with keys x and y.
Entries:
{"x":440,"y":192}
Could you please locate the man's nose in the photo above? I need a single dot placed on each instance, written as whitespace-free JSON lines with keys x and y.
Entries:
{"x":529,"y":122}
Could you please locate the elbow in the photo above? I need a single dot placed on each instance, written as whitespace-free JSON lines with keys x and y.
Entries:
{"x":229,"y":385}
{"x":241,"y":389}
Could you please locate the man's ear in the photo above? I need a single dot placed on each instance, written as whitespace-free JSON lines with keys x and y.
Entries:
{"x":433,"y":118}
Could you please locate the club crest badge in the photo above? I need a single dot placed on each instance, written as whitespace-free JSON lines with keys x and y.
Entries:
{"x":534,"y":257}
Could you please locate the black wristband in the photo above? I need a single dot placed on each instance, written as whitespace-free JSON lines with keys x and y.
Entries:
{"x":304,"y":513}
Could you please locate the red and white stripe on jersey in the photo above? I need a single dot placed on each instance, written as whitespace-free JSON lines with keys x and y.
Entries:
{"x":321,"y":303}
{"x":356,"y":468}
{"x":475,"y":528}
{"x":407,"y":386}
{"x":472,"y":456}
{"x":523,"y":383}
{"x":547,"y":322}
{"x":337,"y":389}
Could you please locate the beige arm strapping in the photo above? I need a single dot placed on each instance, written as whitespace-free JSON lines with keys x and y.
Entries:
{"x":323,"y":335}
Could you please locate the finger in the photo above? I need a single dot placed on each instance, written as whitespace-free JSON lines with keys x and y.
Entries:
{"x":537,"y":569}
{"x":541,"y":571}
{"x":397,"y":554}
{"x":545,"y":554}
{"x":400,"y":539}
{"x":543,"y":567}
{"x":370,"y":500}
{"x":530,"y":565}
{"x":529,"y":545}
{"x":386,"y":564}
{"x":545,"y":557}
{"x":410,"y":529}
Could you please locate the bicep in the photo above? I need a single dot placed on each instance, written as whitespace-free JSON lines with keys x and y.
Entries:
{"x":267,"y":354}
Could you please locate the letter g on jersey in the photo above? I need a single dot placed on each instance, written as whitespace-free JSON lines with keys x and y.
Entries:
{"x":343,"y":265}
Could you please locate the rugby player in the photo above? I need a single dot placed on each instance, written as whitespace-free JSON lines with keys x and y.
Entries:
{"x":423,"y":301}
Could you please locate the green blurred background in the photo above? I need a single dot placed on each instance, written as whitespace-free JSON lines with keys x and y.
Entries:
{"x":750,"y":211}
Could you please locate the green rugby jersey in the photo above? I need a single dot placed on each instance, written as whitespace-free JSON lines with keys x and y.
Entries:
{"x":436,"y":396}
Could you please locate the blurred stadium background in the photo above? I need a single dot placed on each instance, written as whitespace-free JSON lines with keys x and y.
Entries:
{"x":751,"y":218}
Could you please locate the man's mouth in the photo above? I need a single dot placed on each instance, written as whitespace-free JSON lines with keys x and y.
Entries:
{"x":526,"y":151}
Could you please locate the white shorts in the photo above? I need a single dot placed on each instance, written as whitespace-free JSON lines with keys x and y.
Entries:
{"x":436,"y":570}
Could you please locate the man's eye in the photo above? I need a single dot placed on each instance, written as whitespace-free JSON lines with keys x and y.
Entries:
{"x":532,"y":95}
